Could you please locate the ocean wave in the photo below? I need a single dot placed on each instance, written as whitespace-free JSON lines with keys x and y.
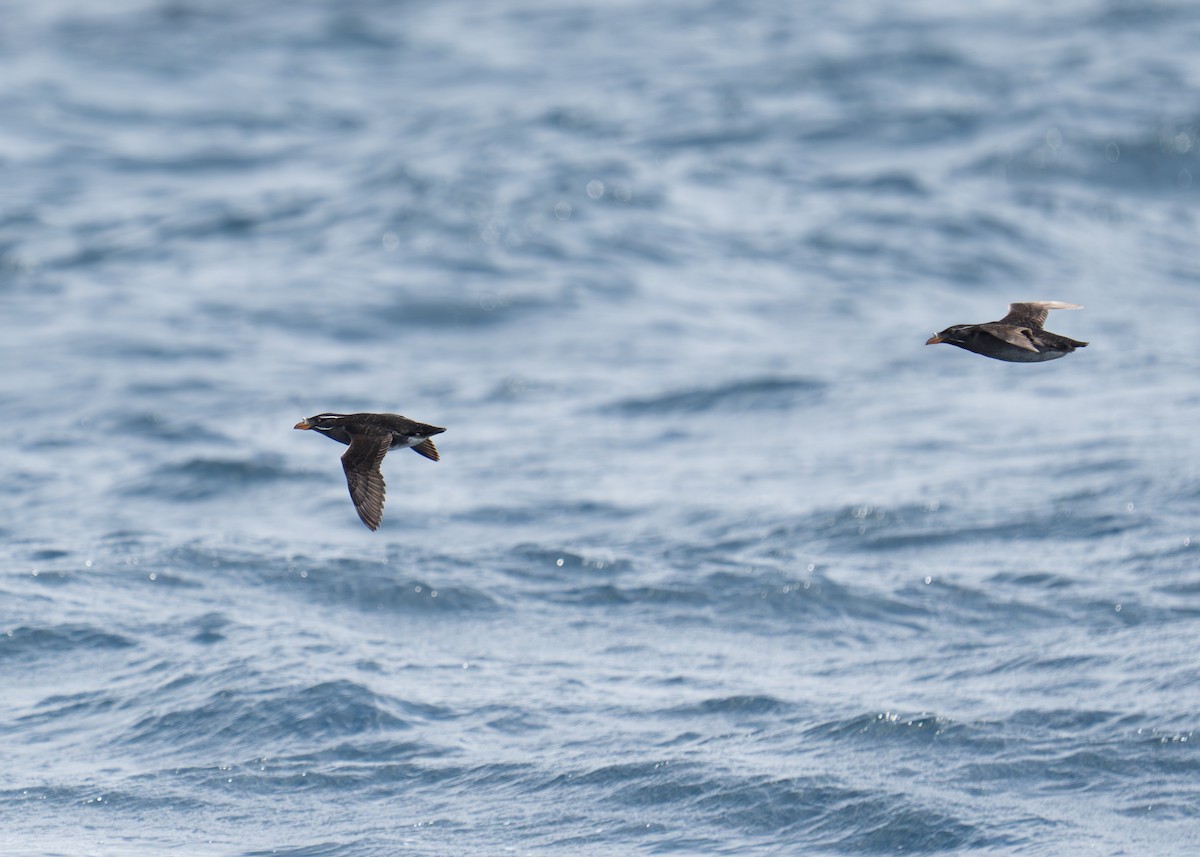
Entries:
{"x":748,"y":394}
{"x":204,"y":478}
{"x":275,"y":719}
{"x":31,"y":644}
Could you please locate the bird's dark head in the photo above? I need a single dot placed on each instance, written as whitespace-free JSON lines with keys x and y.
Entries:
{"x":321,"y":422}
{"x":958,"y":334}
{"x":330,"y":425}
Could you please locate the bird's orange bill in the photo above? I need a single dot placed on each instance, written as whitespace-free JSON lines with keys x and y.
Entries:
{"x":933,"y":340}
{"x":303,"y":424}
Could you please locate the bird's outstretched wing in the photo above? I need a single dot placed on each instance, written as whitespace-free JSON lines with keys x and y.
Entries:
{"x":1033,"y":313}
{"x":361,"y":462}
{"x":1018,"y":336}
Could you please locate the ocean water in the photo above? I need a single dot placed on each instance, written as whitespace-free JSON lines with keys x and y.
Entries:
{"x":719,"y":558}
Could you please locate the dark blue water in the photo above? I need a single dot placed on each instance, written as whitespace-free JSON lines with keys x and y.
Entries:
{"x":719,"y":558}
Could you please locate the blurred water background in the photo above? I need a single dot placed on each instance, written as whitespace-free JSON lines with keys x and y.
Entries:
{"x":719,"y":558}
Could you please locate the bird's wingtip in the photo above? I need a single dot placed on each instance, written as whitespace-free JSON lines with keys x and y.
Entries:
{"x":1046,"y":305}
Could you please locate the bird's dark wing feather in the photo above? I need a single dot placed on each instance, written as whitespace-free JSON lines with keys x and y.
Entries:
{"x":1018,"y":336}
{"x":1033,"y":313}
{"x":427,"y":449}
{"x":361,"y":462}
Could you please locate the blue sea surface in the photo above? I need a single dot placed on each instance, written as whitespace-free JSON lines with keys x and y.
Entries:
{"x":719,"y":558}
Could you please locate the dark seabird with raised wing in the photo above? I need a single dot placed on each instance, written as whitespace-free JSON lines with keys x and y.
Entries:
{"x":369,"y":437}
{"x":1017,"y":338}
